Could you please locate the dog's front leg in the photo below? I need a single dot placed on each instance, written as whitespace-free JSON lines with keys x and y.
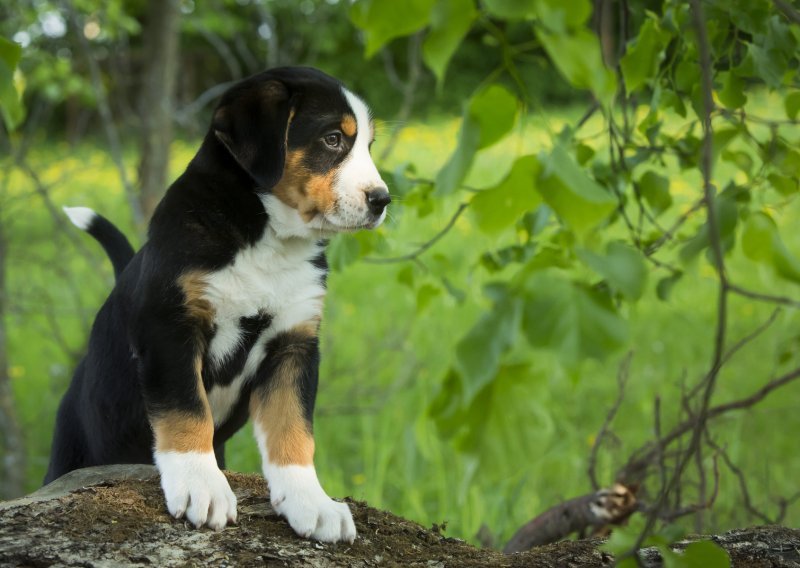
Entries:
{"x":180,"y":416}
{"x":281,"y":405}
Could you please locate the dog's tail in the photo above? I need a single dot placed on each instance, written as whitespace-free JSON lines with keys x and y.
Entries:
{"x":116,"y":245}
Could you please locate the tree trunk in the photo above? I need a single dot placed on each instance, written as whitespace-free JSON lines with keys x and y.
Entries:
{"x":12,"y":448}
{"x":160,"y":37}
{"x":115,"y":516}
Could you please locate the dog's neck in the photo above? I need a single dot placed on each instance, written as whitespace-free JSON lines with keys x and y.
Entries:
{"x":285,"y":222}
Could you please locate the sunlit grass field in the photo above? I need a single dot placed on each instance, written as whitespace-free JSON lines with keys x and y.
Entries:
{"x":386,"y":350}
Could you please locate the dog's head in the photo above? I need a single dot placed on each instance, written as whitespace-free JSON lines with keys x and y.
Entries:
{"x":305,"y":140}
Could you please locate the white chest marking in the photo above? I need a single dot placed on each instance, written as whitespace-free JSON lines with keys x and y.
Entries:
{"x":274,"y":277}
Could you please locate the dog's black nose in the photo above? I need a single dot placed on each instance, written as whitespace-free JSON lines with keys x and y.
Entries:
{"x":377,"y":200}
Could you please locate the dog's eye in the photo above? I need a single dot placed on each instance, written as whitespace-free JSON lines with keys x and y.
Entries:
{"x":333,"y":139}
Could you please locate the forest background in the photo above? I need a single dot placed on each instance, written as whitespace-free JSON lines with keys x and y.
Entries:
{"x":589,"y":273}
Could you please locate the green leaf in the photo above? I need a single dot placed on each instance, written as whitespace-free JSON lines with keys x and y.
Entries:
{"x":343,"y":250}
{"x":383,"y":21}
{"x":577,"y":57}
{"x":494,"y":110}
{"x":560,"y":16}
{"x":425,"y":295}
{"x":622,"y":540}
{"x":784,"y":185}
{"x":571,"y":319}
{"x":458,"y":164}
{"x":727,"y":214}
{"x":655,"y":190}
{"x":622,"y":266}
{"x":762,"y":243}
{"x":501,"y":206}
{"x":10,"y":104}
{"x":665,"y":285}
{"x":450,"y":22}
{"x":723,"y":137}
{"x":489,"y":115}
{"x":644,"y":55}
{"x":769,"y":64}
{"x":406,"y":276}
{"x":705,"y":554}
{"x":479,"y":351}
{"x":579,"y":200}
{"x":792,"y":104}
{"x":510,"y":9}
{"x":732,"y":92}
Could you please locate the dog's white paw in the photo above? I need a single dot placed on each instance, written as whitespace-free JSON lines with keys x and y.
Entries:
{"x":195,"y":487}
{"x":295,"y":493}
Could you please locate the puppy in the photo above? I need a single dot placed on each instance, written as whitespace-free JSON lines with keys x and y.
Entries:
{"x":216,"y":318}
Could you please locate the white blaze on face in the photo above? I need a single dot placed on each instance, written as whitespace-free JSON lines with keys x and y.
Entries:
{"x":357,"y":174}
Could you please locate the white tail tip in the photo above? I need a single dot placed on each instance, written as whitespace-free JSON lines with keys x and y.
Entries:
{"x":81,"y":217}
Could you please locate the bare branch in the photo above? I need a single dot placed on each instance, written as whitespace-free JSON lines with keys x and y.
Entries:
{"x":622,"y":381}
{"x":789,"y":302}
{"x":103,"y":107}
{"x":610,"y":506}
{"x":426,"y":245}
{"x":409,"y":91}
{"x":788,"y":10}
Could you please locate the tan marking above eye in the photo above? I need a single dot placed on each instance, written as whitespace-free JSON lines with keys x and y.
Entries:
{"x":301,"y":189}
{"x":349,"y":125}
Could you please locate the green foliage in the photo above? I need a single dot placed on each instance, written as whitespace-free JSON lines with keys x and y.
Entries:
{"x":580,"y":201}
{"x":502,"y":205}
{"x":581,"y":232}
{"x":383,"y":21}
{"x":450,"y":22}
{"x":643,"y":57}
{"x":465,"y":384}
{"x":10,"y":105}
{"x":488,"y":116}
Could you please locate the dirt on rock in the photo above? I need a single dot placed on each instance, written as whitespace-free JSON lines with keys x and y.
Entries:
{"x":124,"y":522}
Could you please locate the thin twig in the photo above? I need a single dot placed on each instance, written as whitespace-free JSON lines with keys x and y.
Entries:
{"x":788,"y":10}
{"x":412,"y":256}
{"x":622,"y":381}
{"x":738,"y":290}
{"x":103,"y":107}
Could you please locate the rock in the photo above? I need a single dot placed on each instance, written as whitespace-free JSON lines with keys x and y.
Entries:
{"x":115,"y":516}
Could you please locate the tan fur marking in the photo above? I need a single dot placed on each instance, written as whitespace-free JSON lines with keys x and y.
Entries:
{"x":181,"y":432}
{"x":308,"y":329}
{"x":303,"y":190}
{"x":279,"y":411}
{"x":193,"y":285}
{"x":178,"y":431}
{"x":349,"y":125}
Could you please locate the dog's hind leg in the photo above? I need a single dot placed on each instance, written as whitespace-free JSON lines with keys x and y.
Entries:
{"x":219,"y":453}
{"x":68,"y":450}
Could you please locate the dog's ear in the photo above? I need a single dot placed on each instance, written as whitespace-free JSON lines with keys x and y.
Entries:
{"x":253,"y":126}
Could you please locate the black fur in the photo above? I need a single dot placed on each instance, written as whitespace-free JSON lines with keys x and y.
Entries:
{"x":138,"y":363}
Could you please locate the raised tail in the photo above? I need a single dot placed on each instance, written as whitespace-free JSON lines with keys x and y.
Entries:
{"x":116,"y":245}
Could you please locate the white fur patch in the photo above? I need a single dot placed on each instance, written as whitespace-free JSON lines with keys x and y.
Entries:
{"x":194,"y":486}
{"x":81,"y":217}
{"x":274,"y":276}
{"x":296,"y":494}
{"x":357,"y":174}
{"x":222,"y":398}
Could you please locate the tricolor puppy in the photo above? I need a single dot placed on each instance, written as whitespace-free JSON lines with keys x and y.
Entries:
{"x":216,"y":318}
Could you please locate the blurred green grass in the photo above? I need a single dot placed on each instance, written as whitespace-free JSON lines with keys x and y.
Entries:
{"x":385,"y":353}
